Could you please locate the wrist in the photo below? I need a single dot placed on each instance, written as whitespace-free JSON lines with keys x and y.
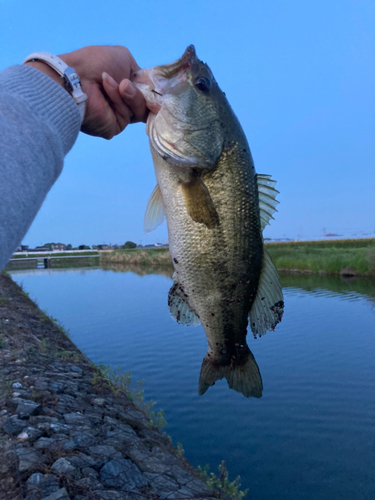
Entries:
{"x":47,"y":70}
{"x":63,"y":74}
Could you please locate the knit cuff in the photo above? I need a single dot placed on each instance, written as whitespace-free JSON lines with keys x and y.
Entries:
{"x":46,"y":98}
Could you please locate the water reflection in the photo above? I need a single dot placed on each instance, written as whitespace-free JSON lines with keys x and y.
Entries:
{"x":45,"y":272}
{"x":311,"y":435}
{"x":223,"y":314}
{"x":353,"y":288}
{"x":357,"y":289}
{"x":138,"y":270}
{"x":245,"y":377}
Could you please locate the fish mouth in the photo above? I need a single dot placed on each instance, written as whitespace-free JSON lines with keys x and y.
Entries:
{"x":168,"y":126}
{"x":185,"y":62}
{"x":155,"y":82}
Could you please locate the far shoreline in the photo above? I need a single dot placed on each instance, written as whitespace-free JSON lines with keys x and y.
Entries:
{"x":348,"y":257}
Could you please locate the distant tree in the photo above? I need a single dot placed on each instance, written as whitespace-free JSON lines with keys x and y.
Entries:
{"x":83,"y":247}
{"x":130,"y":244}
{"x":69,"y":247}
{"x":99,"y":247}
{"x":48,"y":245}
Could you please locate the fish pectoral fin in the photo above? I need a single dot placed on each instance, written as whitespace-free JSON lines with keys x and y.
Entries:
{"x":243,"y":377}
{"x":199,"y":204}
{"x":268,"y":307}
{"x":154,"y":214}
{"x":179,"y":308}
{"x":267,"y":198}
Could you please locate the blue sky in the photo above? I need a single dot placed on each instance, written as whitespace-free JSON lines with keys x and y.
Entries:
{"x":299,"y":75}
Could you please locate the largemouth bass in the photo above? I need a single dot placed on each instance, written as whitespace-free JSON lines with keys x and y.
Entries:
{"x":216,"y":207}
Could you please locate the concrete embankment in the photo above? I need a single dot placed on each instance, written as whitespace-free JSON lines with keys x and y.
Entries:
{"x":64,"y":434}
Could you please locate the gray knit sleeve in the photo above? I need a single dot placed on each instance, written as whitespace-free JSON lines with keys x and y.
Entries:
{"x":39,"y":123}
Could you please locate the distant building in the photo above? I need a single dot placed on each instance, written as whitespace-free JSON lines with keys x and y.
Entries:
{"x":39,"y":249}
{"x":60,"y":247}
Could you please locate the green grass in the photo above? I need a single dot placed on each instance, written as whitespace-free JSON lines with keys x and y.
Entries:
{"x":44,"y":317}
{"x":138,"y":256}
{"x":312,"y":256}
{"x":105,"y":377}
{"x":220,"y":484}
{"x":325,"y":256}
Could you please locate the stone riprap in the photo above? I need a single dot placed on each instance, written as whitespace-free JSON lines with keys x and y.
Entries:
{"x":64,"y":434}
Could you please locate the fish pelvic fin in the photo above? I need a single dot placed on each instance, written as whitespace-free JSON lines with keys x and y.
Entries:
{"x":199,"y":203}
{"x":179,"y":308}
{"x":267,"y":198}
{"x":268,"y":307}
{"x":242,"y":376}
{"x":154,"y":214}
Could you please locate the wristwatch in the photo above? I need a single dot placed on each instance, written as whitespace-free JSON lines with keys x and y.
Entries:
{"x":68,"y":75}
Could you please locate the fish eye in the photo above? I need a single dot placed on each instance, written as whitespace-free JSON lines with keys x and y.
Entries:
{"x":203,"y":84}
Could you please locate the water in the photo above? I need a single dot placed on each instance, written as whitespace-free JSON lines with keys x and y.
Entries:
{"x":310,"y":436}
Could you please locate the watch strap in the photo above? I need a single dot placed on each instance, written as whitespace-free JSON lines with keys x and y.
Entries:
{"x":68,"y":75}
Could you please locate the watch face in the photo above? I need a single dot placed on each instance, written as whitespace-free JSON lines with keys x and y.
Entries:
{"x":71,"y":79}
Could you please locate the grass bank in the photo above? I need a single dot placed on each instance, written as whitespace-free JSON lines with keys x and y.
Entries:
{"x":326,"y":257}
{"x":330,"y":257}
{"x":138,"y":256}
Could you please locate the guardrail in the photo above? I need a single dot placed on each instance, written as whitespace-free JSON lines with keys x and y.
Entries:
{"x":51,"y":252}
{"x":45,"y":261}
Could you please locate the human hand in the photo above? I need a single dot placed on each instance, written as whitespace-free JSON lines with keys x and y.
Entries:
{"x":105,"y":73}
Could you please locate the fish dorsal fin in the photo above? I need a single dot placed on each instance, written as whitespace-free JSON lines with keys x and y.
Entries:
{"x":268,"y":307}
{"x":154,"y":214}
{"x":179,"y":308}
{"x":199,"y":203}
{"x":267,"y":198}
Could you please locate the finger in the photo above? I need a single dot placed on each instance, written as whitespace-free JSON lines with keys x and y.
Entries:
{"x":122,"y":63}
{"x":133,"y":97}
{"x":122,"y":111}
{"x":133,"y":63}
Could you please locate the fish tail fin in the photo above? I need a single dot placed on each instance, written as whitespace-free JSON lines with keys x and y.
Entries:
{"x":242,"y":376}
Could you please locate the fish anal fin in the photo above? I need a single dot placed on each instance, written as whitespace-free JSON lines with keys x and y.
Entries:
{"x":199,"y":203}
{"x":154,"y":214}
{"x":268,"y":307}
{"x":179,"y":308}
{"x":242,"y":377}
